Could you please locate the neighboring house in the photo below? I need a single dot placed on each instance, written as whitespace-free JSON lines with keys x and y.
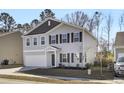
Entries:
{"x":55,"y":43}
{"x":119,"y":45}
{"x":11,"y":47}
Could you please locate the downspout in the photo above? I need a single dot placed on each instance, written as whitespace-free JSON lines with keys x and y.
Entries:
{"x":83,"y":50}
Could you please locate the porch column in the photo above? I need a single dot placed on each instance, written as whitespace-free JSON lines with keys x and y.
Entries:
{"x":55,"y":58}
{"x":46,"y":56}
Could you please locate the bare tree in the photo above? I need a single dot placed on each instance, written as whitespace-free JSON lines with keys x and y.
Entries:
{"x":121,"y":21}
{"x":77,"y":18}
{"x":109,"y":22}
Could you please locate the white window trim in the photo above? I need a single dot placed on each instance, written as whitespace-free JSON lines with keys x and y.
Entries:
{"x":64,"y":36}
{"x":53,"y":39}
{"x":29,"y":42}
{"x":64,"y":56}
{"x":33,"y":41}
{"x":76,"y":36}
{"x":41,"y":40}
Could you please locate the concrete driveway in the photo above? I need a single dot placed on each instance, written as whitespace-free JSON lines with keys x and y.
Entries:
{"x":15,"y":81}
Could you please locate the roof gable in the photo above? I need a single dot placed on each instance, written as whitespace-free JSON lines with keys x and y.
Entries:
{"x":44,"y":27}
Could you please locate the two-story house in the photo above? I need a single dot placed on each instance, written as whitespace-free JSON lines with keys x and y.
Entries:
{"x":55,"y":43}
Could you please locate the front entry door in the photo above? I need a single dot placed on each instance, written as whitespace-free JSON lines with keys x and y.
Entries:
{"x":53,"y":59}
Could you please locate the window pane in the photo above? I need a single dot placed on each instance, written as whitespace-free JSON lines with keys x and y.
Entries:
{"x":28,"y":42}
{"x":53,"y":39}
{"x":64,"y":38}
{"x":35,"y":41}
{"x":42,"y":40}
{"x":64,"y":58}
{"x":121,"y":59}
{"x":76,"y":37}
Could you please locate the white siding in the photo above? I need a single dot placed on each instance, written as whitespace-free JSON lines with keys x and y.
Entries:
{"x":71,"y":47}
{"x":90,"y":47}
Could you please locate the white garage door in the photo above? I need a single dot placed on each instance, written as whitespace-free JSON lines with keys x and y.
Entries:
{"x":35,"y":60}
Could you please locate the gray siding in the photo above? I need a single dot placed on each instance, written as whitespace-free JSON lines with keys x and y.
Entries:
{"x":119,"y":50}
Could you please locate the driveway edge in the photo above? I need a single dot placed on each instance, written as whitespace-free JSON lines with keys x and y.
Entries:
{"x":37,"y":79}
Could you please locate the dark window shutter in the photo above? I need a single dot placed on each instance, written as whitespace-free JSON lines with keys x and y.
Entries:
{"x":68,"y":57}
{"x":72,"y":57}
{"x":80,"y":36}
{"x":60,"y":38}
{"x":68,"y":37}
{"x":50,"y":39}
{"x":71,"y":37}
{"x":56,"y":39}
{"x":80,"y":57}
{"x":60,"y":57}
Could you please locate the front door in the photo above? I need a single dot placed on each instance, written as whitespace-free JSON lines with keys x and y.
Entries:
{"x":53,"y":59}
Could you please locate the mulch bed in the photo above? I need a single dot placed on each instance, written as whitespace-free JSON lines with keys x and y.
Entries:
{"x":72,"y":72}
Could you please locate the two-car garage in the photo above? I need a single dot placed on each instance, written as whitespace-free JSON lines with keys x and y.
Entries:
{"x":36,"y":59}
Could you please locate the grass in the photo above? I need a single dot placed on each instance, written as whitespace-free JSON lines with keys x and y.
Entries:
{"x":10,"y":66}
{"x":75,"y":73}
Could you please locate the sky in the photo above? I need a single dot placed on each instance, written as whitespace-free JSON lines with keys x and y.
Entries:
{"x":27,"y":15}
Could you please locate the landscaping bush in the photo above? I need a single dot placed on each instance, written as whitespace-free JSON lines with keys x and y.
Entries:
{"x":96,"y":63}
{"x":5,"y":62}
{"x":88,"y":65}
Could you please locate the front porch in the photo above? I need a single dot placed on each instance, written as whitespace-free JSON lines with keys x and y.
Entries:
{"x":52,"y":56}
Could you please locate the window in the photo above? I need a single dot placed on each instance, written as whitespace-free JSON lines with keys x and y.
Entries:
{"x":72,"y":57}
{"x":27,"y":42}
{"x":76,"y":37}
{"x":64,"y":57}
{"x":64,"y":38}
{"x":35,"y":41}
{"x":42,"y":40}
{"x":80,"y":57}
{"x":53,"y":39}
{"x":121,"y":59}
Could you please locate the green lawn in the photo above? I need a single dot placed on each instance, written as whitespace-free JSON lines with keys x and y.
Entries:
{"x":10,"y":66}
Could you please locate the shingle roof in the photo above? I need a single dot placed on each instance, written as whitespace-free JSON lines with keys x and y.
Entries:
{"x":119,"y":39}
{"x":8,"y":33}
{"x":43,"y":28}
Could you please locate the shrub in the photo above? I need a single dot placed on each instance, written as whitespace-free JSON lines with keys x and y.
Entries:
{"x":5,"y":62}
{"x":88,"y":65}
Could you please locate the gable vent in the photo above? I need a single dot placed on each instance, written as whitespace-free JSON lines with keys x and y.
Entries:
{"x":49,"y":23}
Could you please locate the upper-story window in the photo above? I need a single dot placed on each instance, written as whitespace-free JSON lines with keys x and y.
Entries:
{"x":64,"y":38}
{"x":27,"y":42}
{"x":53,"y":39}
{"x":76,"y":37}
{"x":35,"y":41}
{"x":42,"y":40}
